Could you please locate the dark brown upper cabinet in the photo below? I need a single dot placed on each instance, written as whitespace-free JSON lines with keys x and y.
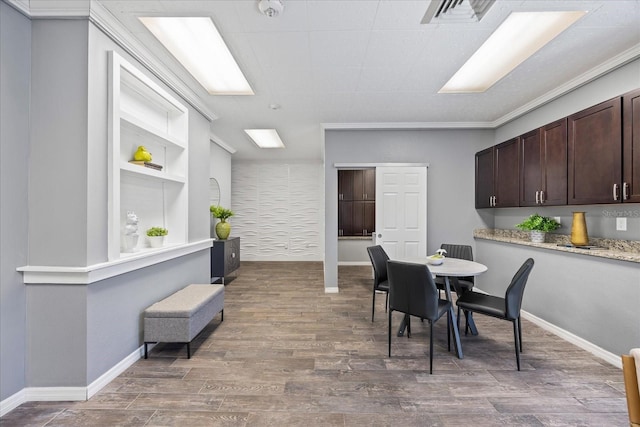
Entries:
{"x":595,"y":154}
{"x":507,"y":176}
{"x":497,"y":176}
{"x":345,"y":184}
{"x":631,"y":147}
{"x":543,"y":165}
{"x":357,"y":184}
{"x":356,"y":202}
{"x":484,"y":178}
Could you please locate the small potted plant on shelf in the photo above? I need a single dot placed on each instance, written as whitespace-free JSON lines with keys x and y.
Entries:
{"x":155,"y":236}
{"x":538,"y":225}
{"x":223,"y":228}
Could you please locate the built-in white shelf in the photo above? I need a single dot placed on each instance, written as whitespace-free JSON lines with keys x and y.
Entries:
{"x":151,"y":173}
{"x":143,"y":113}
{"x":33,"y":274}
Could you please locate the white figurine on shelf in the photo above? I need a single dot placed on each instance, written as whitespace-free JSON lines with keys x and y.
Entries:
{"x":130,"y":238}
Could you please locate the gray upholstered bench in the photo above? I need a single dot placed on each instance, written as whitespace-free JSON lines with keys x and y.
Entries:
{"x":182,"y":315}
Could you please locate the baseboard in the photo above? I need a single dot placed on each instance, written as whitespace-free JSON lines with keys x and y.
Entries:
{"x":333,"y":290}
{"x":603,"y":354}
{"x":12,"y":402}
{"x":113,"y":373}
{"x":60,"y":394}
{"x":55,"y":394}
{"x":354,"y":262}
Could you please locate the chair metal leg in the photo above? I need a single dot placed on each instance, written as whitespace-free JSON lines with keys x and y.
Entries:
{"x":188,"y":350}
{"x":515,"y":341}
{"x":449,"y":330}
{"x":373,"y":305}
{"x":430,"y":347}
{"x":466,"y":321}
{"x":408,"y":323}
{"x":520,"y":333}
{"x":389,"y":333}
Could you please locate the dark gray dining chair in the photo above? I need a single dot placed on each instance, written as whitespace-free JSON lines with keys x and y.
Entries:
{"x":462,"y":284}
{"x":379,"y":260}
{"x":507,"y":308}
{"x":413,"y":292}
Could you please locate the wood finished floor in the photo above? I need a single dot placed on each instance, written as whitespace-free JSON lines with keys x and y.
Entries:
{"x":288,"y":354}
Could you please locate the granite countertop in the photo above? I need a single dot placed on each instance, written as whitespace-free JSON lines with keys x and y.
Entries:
{"x":623,"y":250}
{"x":355,"y":238}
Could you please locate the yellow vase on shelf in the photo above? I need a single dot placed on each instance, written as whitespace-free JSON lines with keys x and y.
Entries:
{"x":579,"y":236}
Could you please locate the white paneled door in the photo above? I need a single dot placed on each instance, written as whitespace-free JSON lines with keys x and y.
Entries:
{"x":401,"y":210}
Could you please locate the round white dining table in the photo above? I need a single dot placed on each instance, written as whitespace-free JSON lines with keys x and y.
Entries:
{"x":451,"y":267}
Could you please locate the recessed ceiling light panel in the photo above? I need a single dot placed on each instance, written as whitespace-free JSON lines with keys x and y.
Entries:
{"x":520,"y":36}
{"x":196,"y":43}
{"x":265,"y":138}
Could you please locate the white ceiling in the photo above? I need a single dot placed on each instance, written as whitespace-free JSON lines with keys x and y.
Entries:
{"x":370,"y":63}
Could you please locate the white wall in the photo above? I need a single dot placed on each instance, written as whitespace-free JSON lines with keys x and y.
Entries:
{"x":279,"y":210}
{"x":76,"y":333}
{"x":220,"y":169}
{"x":59,"y":163}
{"x":451,"y":214}
{"x":354,"y":251}
{"x":601,"y":219}
{"x":15,"y":71}
{"x":593,"y":298}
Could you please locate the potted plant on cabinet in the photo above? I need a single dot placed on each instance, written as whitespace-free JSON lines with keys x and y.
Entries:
{"x":155,"y":236}
{"x":538,"y":225}
{"x":223,"y":228}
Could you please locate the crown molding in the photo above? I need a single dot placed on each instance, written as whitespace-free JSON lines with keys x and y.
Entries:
{"x":617,"y":61}
{"x":407,"y":125}
{"x":606,"y":67}
{"x":220,"y":143}
{"x":107,"y":23}
{"x":40,"y":9}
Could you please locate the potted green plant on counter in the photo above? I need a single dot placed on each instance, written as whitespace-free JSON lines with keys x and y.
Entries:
{"x":223,"y":228}
{"x":155,"y":236}
{"x":538,"y":225}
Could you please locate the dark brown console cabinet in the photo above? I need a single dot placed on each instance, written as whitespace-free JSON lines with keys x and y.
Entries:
{"x":225,"y":258}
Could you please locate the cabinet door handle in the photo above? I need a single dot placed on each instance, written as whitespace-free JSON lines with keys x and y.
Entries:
{"x":541,"y":196}
{"x":615,"y":191}
{"x":537,"y":197}
{"x":625,"y":191}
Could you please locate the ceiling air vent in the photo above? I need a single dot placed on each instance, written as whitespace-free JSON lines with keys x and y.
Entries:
{"x":456,"y":11}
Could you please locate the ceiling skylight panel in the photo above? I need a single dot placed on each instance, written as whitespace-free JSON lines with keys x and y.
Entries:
{"x":196,"y":43}
{"x":520,"y":36}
